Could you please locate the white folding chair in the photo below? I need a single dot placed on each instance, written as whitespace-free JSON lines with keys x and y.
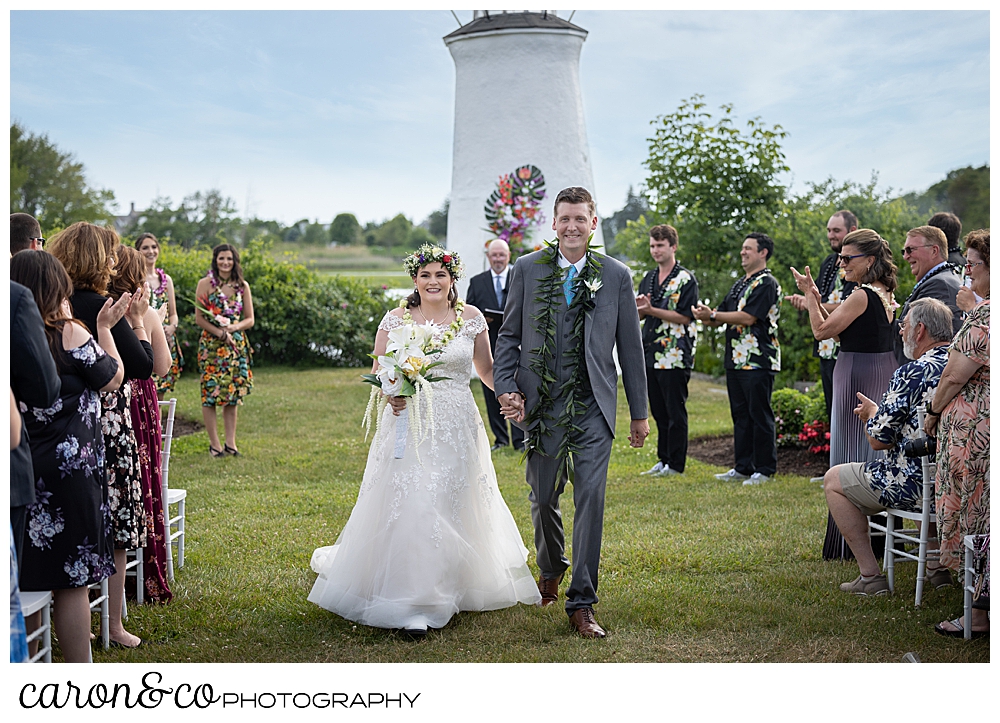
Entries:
{"x":909,"y":536}
{"x":134,"y":568}
{"x":101,"y":603}
{"x":173,"y":525}
{"x":31,"y":603}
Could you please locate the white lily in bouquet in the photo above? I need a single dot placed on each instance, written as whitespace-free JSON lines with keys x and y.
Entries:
{"x":402,"y":372}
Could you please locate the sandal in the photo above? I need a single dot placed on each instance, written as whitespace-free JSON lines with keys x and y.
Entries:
{"x":959,"y":630}
{"x":229,"y":450}
{"x":216,"y":453}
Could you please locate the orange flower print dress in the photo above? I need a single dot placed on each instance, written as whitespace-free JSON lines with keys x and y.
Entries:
{"x":225,"y":369}
{"x":962,"y":492}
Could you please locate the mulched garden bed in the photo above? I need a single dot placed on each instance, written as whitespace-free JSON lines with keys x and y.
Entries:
{"x":718,"y":450}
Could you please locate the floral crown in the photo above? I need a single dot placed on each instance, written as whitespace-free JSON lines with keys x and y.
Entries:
{"x":428,"y":254}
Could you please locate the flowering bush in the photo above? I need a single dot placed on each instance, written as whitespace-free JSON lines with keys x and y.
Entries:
{"x":789,"y":407}
{"x":816,"y":436}
{"x":301,"y":317}
{"x":514,"y":207}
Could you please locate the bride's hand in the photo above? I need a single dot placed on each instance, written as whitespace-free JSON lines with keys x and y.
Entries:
{"x":398,"y":404}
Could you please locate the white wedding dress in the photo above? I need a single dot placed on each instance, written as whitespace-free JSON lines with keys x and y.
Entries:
{"x":430,"y":534}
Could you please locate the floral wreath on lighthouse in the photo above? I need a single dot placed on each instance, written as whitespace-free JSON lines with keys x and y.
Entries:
{"x":514,"y":207}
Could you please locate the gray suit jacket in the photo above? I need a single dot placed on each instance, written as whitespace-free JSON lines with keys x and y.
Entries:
{"x":614,"y":320}
{"x":943,"y":287}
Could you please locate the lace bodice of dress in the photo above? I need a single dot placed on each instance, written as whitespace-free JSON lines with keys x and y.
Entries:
{"x":456,"y":357}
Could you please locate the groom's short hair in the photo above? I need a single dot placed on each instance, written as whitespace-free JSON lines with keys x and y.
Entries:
{"x":575,"y":194}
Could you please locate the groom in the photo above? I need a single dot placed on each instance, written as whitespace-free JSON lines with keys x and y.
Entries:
{"x":554,"y":375}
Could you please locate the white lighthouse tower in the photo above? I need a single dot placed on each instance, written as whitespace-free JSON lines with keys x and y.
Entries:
{"x":517,"y":104}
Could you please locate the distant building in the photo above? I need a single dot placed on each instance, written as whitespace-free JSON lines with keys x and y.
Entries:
{"x":124,"y":224}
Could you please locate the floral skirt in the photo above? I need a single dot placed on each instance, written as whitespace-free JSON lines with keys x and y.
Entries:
{"x":128,"y":516}
{"x":225,"y":369}
{"x":165,"y":384}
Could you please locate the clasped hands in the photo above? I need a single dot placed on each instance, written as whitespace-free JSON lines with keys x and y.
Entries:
{"x":512,"y":408}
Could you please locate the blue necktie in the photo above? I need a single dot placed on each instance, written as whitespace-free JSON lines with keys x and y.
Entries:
{"x":499,"y":290}
{"x":568,"y":285}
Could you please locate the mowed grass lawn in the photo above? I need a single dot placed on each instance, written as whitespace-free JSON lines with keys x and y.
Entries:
{"x":693,"y":569}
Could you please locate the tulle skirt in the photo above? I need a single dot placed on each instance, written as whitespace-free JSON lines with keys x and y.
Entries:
{"x":429,"y":536}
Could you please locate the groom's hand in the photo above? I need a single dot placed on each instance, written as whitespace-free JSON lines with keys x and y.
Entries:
{"x":512,"y":406}
{"x":638,"y":431}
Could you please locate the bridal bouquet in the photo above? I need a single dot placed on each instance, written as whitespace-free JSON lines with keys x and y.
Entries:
{"x":403,"y":371}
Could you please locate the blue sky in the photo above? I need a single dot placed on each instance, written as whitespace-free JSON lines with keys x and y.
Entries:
{"x":308,"y":114}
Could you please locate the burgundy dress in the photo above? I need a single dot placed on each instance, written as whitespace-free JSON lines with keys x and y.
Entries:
{"x":146,"y":420}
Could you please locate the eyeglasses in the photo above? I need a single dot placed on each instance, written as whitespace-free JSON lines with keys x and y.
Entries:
{"x":40,"y":240}
{"x":845,"y":260}
{"x":907,"y":250}
{"x":971,"y":265}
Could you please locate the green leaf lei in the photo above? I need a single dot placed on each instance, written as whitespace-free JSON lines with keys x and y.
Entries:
{"x":543,"y":362}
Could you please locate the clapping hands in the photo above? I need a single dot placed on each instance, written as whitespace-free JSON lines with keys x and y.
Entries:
{"x":807,"y":286}
{"x":113,"y":311}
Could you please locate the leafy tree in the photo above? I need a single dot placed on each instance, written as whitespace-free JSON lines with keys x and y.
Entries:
{"x":714,"y":183}
{"x":50,"y":185}
{"x":202,"y":219}
{"x":964,"y":192}
{"x":394,"y":232}
{"x":636,"y":205}
{"x":345,"y":230}
{"x":316,"y":235}
{"x":437,"y":221}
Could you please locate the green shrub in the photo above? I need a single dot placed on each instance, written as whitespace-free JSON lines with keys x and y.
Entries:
{"x":301,"y":318}
{"x":815,"y":410}
{"x":789,"y":407}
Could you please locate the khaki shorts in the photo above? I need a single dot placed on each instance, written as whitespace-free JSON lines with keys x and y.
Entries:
{"x":858,"y":489}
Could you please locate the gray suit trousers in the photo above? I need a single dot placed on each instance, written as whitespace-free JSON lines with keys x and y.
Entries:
{"x":590,"y":476}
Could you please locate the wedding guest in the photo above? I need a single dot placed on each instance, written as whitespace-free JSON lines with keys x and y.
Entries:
{"x":488,"y":291}
{"x":224,"y":352}
{"x":962,"y":404}
{"x":926,"y":251}
{"x":144,"y":414}
{"x":863,"y":323}
{"x":666,"y":296}
{"x":162,"y":298}
{"x":69,"y":545}
{"x":25,"y":233}
{"x":833,"y":289}
{"x":753,"y":356}
{"x":89,"y":253}
{"x":951,"y":225}
{"x":35,"y":383}
{"x":855,"y":490}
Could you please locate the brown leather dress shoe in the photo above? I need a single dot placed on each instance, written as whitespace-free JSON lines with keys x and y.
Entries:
{"x":585,"y":624}
{"x":549,"y":590}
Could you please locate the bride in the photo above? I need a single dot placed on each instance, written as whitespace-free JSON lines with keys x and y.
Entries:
{"x":429,"y":535}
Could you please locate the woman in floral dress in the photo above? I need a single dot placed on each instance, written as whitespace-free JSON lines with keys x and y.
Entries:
{"x":224,"y":312}
{"x":962,"y":402}
{"x":69,"y":543}
{"x":162,"y":298}
{"x":145,"y":414}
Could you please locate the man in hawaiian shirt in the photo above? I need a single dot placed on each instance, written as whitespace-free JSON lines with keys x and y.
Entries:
{"x":858,"y":489}
{"x":752,"y":358}
{"x":833,"y":290}
{"x":666,"y":295}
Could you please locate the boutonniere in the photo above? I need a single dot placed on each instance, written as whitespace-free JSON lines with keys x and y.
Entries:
{"x":593,"y":286}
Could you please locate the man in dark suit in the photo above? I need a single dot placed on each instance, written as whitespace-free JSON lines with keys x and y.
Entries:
{"x":488,"y":291}
{"x":554,"y":373}
{"x":926,"y":251}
